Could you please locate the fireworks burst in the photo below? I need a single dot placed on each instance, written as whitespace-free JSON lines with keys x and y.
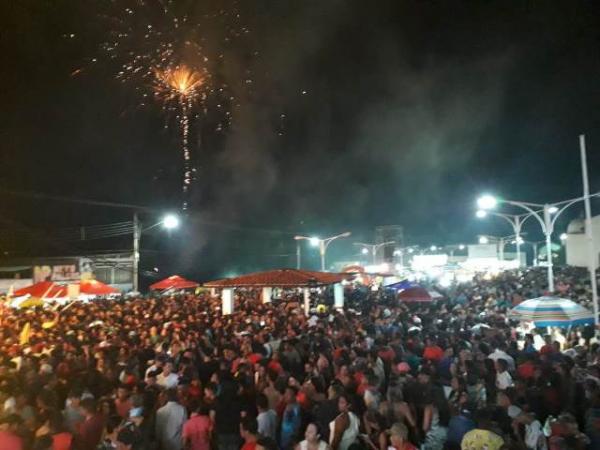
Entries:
{"x":184,"y":86}
{"x":161,"y":48}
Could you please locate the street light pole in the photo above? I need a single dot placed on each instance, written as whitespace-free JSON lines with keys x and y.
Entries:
{"x":374,"y":248}
{"x":169,"y":222}
{"x":546,"y":214}
{"x":516,"y":221}
{"x":323,"y":244}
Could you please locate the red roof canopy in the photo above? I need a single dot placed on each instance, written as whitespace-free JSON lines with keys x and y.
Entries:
{"x":95,"y":287}
{"x":46,"y":289}
{"x":415,"y":295}
{"x":174,"y":282}
{"x":281,"y":278}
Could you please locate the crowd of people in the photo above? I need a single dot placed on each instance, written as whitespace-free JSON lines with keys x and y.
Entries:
{"x":172,"y":373}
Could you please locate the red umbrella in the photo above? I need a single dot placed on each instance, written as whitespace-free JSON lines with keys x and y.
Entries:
{"x":414,"y":295}
{"x":95,"y":287}
{"x":173,"y":282}
{"x":46,"y":289}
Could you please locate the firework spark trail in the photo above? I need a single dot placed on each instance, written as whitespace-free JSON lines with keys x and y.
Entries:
{"x":160,"y":48}
{"x":182,"y":86}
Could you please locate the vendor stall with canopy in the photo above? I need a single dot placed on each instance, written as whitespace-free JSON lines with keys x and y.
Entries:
{"x":280,"y":278}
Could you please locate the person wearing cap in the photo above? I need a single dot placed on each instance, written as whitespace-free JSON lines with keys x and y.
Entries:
{"x":458,"y":426}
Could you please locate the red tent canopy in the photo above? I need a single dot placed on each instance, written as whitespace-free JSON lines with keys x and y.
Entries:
{"x":281,"y":278}
{"x":173,"y":282}
{"x":95,"y":287}
{"x":46,"y":289}
{"x":414,"y":295}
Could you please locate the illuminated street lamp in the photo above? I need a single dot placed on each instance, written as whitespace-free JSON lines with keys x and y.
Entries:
{"x":169,"y":222}
{"x":515,"y":220}
{"x":546,"y":214}
{"x":321,"y":243}
{"x":373,"y":248}
{"x":500,"y":242}
{"x":563,"y":237}
{"x":433,"y":248}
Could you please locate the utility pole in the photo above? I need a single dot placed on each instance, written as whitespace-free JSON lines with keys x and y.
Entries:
{"x":592,"y":255}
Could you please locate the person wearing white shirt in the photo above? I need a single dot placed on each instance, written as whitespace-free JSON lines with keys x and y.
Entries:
{"x":503,"y":378}
{"x":501,"y":354}
{"x":167,"y":379}
{"x":534,"y":438}
{"x":169,"y":423}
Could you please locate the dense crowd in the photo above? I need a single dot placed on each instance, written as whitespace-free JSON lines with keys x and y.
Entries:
{"x":172,"y":373}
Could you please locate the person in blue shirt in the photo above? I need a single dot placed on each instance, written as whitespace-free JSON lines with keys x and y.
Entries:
{"x":292,"y":419}
{"x":459,"y":426}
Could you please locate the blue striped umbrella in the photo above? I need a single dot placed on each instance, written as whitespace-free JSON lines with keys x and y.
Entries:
{"x":551,"y":312}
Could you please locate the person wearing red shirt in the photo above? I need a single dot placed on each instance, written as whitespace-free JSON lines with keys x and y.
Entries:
{"x":249,"y":432}
{"x":432,"y":351}
{"x":547,"y":348}
{"x":123,"y":402}
{"x":9,"y":440}
{"x":90,"y":430}
{"x":197,"y":430}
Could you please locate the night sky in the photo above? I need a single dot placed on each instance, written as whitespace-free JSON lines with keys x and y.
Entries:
{"x":347,"y":115}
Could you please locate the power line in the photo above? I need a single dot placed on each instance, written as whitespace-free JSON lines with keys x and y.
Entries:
{"x":141,"y":208}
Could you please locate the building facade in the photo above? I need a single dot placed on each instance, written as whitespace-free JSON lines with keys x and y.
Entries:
{"x":577,"y":244}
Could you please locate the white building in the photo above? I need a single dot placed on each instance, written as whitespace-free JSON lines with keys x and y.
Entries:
{"x":576,"y":242}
